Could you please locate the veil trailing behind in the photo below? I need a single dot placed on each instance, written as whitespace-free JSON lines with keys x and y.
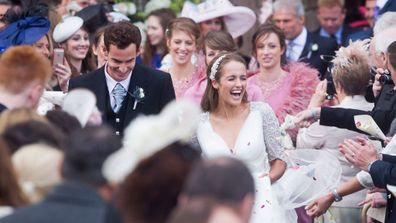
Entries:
{"x":310,"y":174}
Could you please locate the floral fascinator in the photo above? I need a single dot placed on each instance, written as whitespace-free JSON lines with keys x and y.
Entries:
{"x":148,"y":134}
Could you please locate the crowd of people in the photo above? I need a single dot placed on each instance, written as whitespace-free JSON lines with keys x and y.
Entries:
{"x":101,"y":121}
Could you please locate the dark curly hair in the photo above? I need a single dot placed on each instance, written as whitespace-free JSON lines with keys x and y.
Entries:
{"x":122,"y":34}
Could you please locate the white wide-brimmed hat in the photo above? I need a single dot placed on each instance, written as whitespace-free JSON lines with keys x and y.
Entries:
{"x":238,"y":19}
{"x":66,"y":28}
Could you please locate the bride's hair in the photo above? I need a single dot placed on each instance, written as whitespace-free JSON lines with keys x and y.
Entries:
{"x":210,"y":98}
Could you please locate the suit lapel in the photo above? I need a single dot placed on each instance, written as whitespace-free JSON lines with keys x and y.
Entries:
{"x":138,"y":80}
{"x":305,"y":51}
{"x":101,"y":89}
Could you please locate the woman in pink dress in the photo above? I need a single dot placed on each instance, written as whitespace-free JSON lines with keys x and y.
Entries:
{"x":182,"y":39}
{"x":287,"y":88}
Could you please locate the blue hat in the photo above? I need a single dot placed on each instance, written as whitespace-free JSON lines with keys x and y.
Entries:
{"x":25,"y":31}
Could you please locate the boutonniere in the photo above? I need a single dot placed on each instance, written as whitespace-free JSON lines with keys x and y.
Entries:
{"x":313,"y":47}
{"x":138,"y":94}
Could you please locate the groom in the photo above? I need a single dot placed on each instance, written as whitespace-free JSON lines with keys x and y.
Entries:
{"x":123,"y":88}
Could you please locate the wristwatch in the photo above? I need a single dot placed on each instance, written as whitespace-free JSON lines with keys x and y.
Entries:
{"x":336,"y":196}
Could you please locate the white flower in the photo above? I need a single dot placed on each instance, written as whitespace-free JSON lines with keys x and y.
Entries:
{"x":138,"y":94}
{"x":156,"y":4}
{"x":141,"y":93}
{"x":314,"y":47}
{"x":126,"y":8}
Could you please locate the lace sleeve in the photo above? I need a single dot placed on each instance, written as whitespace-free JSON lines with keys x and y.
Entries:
{"x":271,"y":132}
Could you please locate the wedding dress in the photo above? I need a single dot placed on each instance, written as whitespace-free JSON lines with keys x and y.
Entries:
{"x":256,"y":145}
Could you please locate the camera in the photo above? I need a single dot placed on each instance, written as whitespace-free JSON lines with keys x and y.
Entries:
{"x":331,"y":91}
{"x":385,"y":77}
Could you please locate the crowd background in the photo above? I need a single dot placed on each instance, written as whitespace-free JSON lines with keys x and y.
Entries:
{"x":196,"y":111}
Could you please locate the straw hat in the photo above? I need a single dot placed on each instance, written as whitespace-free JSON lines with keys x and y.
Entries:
{"x":238,"y":19}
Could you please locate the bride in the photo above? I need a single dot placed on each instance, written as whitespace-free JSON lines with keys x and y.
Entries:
{"x":245,"y":130}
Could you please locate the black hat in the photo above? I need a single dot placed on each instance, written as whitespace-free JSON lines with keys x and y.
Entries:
{"x":94,"y":17}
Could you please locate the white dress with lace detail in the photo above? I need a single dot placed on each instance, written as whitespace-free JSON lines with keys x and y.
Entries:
{"x":256,"y":145}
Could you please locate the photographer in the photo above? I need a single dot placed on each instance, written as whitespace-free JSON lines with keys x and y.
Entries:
{"x":383,"y":112}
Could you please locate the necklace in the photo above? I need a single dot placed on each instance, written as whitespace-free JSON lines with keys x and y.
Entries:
{"x":268,"y":87}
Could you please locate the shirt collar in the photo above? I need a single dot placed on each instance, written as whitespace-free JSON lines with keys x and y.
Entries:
{"x":111,"y":82}
{"x":300,"y":39}
{"x":337,"y":34}
{"x":352,"y":99}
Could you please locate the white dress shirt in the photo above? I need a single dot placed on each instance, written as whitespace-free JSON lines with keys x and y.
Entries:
{"x":111,"y":83}
{"x":298,"y":45}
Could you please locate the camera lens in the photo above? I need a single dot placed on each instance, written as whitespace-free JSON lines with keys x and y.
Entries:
{"x":385,"y":78}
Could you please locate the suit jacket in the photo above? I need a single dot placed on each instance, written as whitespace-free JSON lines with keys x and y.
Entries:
{"x":361,"y":35}
{"x":2,"y":108}
{"x":383,"y":173}
{"x":70,"y":202}
{"x":390,"y":6}
{"x":311,"y":54}
{"x":383,"y":112}
{"x":157,"y":87}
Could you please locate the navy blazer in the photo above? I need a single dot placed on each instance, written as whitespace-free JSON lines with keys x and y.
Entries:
{"x":390,"y":6}
{"x":347,"y":31}
{"x":325,"y":46}
{"x":383,"y":112}
{"x":383,"y":173}
{"x":70,"y":202}
{"x":157,"y":87}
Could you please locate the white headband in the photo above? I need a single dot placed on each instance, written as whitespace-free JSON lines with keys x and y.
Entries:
{"x":215,"y":66}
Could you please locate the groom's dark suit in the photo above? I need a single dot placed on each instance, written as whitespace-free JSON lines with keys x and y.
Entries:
{"x":157,"y":87}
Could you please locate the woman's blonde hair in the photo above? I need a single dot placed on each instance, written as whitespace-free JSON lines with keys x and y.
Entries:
{"x":351,"y":69}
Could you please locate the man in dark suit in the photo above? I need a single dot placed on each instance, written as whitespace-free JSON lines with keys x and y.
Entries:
{"x":302,"y":45}
{"x":83,"y":196}
{"x":331,"y":15}
{"x":23,"y":75}
{"x":124,"y":89}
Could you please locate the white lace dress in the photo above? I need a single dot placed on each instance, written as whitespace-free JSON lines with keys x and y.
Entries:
{"x":257,"y":144}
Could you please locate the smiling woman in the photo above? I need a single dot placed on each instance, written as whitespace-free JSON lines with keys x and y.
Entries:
{"x":183,"y":37}
{"x":247,"y":131}
{"x":72,"y":36}
{"x":155,"y":47}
